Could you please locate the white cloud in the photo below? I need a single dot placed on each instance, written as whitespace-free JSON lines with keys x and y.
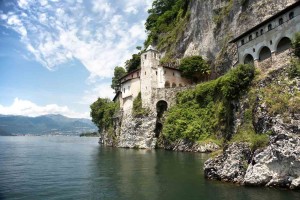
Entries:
{"x":135,"y":6}
{"x":28,"y":108}
{"x":103,"y":90}
{"x":23,"y":3}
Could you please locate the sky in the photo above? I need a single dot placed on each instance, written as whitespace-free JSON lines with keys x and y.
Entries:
{"x":58,"y":56}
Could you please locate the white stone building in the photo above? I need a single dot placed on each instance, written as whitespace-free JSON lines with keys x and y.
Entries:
{"x":268,"y":43}
{"x":147,"y":80}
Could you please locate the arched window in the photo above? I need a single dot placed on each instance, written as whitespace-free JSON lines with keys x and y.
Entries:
{"x":291,"y":15}
{"x":265,"y":53}
{"x":249,"y":59}
{"x":269,"y":27}
{"x":250,"y":37}
{"x":261,"y":31}
{"x":280,"y":21}
{"x":284,"y":44}
{"x":167,"y":84}
{"x":173,"y":85}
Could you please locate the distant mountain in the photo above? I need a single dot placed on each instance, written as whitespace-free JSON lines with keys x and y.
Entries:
{"x":44,"y":125}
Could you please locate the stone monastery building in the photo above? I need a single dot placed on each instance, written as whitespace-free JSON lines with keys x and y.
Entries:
{"x":152,"y":80}
{"x":268,"y":43}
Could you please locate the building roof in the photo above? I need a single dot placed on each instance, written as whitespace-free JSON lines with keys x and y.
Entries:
{"x":116,"y":96}
{"x":265,"y":21}
{"x":151,"y":48}
{"x":129,"y":73}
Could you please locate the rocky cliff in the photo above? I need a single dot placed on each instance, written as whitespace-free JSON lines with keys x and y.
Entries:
{"x":276,"y":164}
{"x":213,"y":23}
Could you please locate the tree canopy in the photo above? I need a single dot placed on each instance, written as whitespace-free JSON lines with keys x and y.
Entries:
{"x":162,"y":18}
{"x":133,"y":63}
{"x":118,"y":73}
{"x":194,"y":67}
{"x":102,"y":112}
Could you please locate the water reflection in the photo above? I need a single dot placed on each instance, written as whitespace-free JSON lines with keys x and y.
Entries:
{"x":141,"y":174}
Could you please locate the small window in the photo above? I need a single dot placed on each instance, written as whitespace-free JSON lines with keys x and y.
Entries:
{"x":257,"y":34}
{"x":156,"y":73}
{"x":250,"y":37}
{"x":145,"y":73}
{"x":261,"y":31}
{"x":154,"y":55}
{"x":173,"y":74}
{"x":145,"y":56}
{"x":253,"y":49}
{"x":280,"y":21}
{"x":242,"y":41}
{"x":124,"y":90}
{"x":271,"y":42}
{"x":291,"y":15}
{"x":269,"y":27}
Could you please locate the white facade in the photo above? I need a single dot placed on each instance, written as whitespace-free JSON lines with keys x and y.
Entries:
{"x":146,"y":80}
{"x":269,"y":34}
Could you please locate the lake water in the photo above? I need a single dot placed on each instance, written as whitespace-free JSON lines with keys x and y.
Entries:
{"x":78,"y":168}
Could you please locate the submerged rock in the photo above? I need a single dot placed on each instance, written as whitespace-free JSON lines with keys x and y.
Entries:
{"x":188,"y":146}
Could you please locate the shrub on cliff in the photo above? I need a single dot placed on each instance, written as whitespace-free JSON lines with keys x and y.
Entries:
{"x":194,"y":67}
{"x":137,"y":109}
{"x":206,"y":111}
{"x":118,"y":73}
{"x":102,"y":112}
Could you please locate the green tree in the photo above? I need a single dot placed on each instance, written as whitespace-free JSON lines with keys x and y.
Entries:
{"x":133,"y":63}
{"x":118,"y":73}
{"x":102,"y":112}
{"x":194,"y":67}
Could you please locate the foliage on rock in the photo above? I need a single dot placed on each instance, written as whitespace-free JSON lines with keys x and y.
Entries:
{"x":138,"y":110}
{"x":206,"y":111}
{"x":166,"y":22}
{"x":133,"y":63}
{"x":102,"y":112}
{"x":118,"y":73}
{"x":194,"y":67}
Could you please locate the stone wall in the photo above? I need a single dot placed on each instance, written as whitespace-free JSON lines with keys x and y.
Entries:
{"x":166,"y":94}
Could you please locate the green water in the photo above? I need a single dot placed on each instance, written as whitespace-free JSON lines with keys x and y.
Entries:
{"x":78,"y":168}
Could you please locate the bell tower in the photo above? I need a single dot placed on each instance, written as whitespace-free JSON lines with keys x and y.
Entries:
{"x":149,"y":63}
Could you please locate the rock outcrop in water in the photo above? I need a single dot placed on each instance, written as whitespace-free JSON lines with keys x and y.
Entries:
{"x":278,"y":165}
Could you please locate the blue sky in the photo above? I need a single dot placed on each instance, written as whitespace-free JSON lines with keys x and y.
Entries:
{"x":58,"y":56}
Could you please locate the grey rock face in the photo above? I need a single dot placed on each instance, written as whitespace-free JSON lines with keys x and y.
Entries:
{"x":187,"y":146}
{"x":205,"y":37}
{"x":137,"y":133}
{"x":231,"y":166}
{"x":278,"y":165}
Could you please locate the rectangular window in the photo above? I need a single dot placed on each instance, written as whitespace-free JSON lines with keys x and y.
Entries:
{"x":145,"y":56}
{"x":280,"y":21}
{"x":261,"y":31}
{"x":242,"y":41}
